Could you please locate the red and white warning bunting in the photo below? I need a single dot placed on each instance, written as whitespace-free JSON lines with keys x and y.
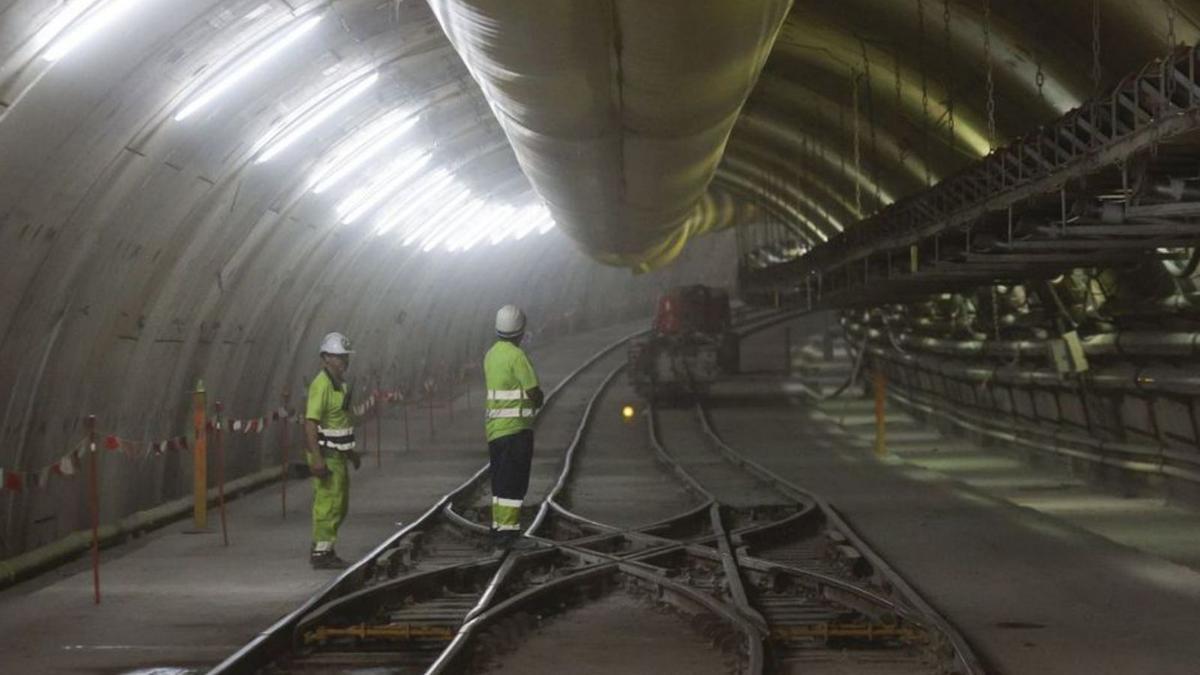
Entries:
{"x":70,"y":464}
{"x":255,"y":425}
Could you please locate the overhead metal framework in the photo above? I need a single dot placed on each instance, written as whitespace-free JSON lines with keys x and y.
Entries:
{"x":1113,"y":182}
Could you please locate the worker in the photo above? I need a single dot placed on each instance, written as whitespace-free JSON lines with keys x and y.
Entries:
{"x":329,"y":433}
{"x":512,"y":402}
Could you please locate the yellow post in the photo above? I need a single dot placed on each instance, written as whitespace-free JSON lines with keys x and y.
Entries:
{"x":200,"y":459}
{"x":880,"y":413}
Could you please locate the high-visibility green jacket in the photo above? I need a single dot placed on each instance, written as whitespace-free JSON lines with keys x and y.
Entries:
{"x":509,"y":376}
{"x":327,"y":406}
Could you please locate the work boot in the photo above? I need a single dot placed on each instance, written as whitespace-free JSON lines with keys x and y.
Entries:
{"x":327,"y":560}
{"x":502,"y":540}
{"x":520,"y":543}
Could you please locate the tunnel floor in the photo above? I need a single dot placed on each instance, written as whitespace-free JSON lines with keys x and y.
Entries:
{"x":1041,"y":571}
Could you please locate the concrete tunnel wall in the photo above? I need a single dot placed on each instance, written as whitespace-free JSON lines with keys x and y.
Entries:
{"x":138,"y":255}
{"x":128,"y":341}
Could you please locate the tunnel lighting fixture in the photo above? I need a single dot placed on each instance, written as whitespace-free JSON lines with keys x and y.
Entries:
{"x":391,"y":182}
{"x":457,"y":195}
{"x":452,"y":225}
{"x":522,"y":216}
{"x":412,"y":200}
{"x":319,"y":109}
{"x":66,"y":31}
{"x":525,"y":226}
{"x":252,"y":62}
{"x":627,"y":412}
{"x":360,"y":149}
{"x":257,"y":12}
{"x":445,"y":223}
{"x":538,"y":219}
{"x":485,"y":224}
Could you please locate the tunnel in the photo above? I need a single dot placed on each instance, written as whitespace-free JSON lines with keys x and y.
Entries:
{"x":855,"y":337}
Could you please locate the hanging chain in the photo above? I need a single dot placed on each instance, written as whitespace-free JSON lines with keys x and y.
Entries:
{"x":871,"y":120}
{"x":1171,"y":42}
{"x":1040,"y":80}
{"x":949,"y":62}
{"x":1097,"y":69}
{"x":991,"y":80}
{"x":857,"y":145}
{"x":924,"y":90}
{"x":842,"y":133}
{"x":1168,"y":68}
{"x":995,"y":312}
{"x":896,"y":60}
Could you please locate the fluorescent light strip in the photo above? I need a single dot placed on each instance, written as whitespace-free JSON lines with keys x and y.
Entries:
{"x":387,"y":189}
{"x":458,"y":226}
{"x":428,"y":187}
{"x":96,"y":21}
{"x":534,"y":223}
{"x":434,"y":221}
{"x":360,"y":150}
{"x":445,"y":199}
{"x":257,"y":12}
{"x":484,"y":224}
{"x":360,"y":195}
{"x":450,"y":226}
{"x":497,"y":224}
{"x":69,"y":13}
{"x":511,"y":225}
{"x":248,"y":66}
{"x":307,"y":118}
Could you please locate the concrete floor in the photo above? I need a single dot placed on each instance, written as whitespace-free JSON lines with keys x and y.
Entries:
{"x":184,"y":601}
{"x":1042,"y":572}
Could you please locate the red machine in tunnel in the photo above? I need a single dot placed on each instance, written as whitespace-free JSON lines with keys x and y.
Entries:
{"x":690,"y":344}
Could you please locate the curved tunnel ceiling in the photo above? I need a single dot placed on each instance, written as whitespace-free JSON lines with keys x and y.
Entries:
{"x":619,"y":112}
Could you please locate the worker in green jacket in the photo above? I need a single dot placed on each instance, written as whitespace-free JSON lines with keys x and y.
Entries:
{"x":329,"y":433}
{"x":512,"y":402}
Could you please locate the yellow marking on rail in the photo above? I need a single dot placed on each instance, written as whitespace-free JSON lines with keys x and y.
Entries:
{"x":393,"y":631}
{"x":851,"y":630}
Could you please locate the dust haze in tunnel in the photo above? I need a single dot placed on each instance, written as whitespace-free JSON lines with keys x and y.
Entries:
{"x":142,"y":253}
{"x":139,"y":252}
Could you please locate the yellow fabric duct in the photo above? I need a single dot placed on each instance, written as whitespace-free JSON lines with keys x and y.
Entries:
{"x":618,"y":110}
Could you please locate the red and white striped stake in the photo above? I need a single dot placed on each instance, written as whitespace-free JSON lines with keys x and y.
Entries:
{"x":429,"y":387}
{"x":94,"y":505}
{"x":220,"y":439}
{"x":404,"y":409}
{"x":285,"y":441}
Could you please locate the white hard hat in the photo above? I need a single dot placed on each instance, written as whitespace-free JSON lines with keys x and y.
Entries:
{"x":336,"y":343}
{"x":510,"y":321}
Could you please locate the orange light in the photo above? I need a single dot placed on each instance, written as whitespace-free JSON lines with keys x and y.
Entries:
{"x":627,"y":412}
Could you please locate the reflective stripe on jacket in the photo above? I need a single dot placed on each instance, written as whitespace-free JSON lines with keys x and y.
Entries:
{"x":509,"y":376}
{"x":336,"y":439}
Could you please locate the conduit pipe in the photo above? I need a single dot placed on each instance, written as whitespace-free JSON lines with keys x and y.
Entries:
{"x":618,"y":110}
{"x":1140,"y":458}
{"x":1129,"y":343}
{"x":1125,"y":378}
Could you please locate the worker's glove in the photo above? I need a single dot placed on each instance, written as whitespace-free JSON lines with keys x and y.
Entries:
{"x":319,"y":470}
{"x":355,"y":459}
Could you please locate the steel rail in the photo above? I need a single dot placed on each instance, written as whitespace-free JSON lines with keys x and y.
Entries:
{"x":964,"y":654}
{"x":277,"y":638}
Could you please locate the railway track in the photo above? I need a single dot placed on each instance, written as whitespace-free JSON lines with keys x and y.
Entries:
{"x":705,"y":559}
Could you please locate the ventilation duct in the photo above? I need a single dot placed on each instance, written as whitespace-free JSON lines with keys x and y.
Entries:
{"x":618,"y":110}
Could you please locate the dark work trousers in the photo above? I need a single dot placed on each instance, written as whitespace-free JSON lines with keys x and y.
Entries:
{"x":511,"y":457}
